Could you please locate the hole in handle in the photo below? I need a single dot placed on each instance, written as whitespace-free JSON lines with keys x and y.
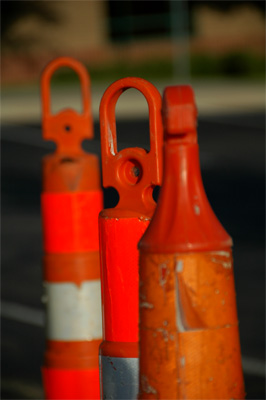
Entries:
{"x":66,"y":91}
{"x":68,"y":128}
{"x":133,"y":132}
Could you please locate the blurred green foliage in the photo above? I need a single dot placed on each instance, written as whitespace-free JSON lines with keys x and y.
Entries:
{"x":232,"y":65}
{"x":235,"y":64}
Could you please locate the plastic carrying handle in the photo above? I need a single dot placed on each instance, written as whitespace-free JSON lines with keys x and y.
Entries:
{"x":133,"y":172}
{"x":67,"y":128}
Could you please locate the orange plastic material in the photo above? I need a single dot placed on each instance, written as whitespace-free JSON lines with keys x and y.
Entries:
{"x":189,"y":339}
{"x":71,"y":201}
{"x":134,"y":173}
{"x":61,"y":384}
{"x":191,"y":225}
{"x":79,"y":218}
{"x":67,"y":128}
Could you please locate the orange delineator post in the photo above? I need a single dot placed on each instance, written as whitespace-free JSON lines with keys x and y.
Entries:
{"x":71,"y":201}
{"x":133,"y":172}
{"x":189,"y":339}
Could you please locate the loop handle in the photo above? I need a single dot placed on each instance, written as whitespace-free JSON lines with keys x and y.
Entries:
{"x":133,"y":172}
{"x":67,"y":128}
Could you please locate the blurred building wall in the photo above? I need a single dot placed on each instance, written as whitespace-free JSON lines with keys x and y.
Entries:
{"x":77,"y":25}
{"x":243,"y":28}
{"x":244,"y":20}
{"x":82,"y":29}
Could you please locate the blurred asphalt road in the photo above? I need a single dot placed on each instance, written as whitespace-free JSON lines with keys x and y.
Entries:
{"x":22,"y":105}
{"x":232,"y":161}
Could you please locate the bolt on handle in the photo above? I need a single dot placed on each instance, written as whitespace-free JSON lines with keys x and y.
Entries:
{"x":67,"y":128}
{"x":133,"y":172}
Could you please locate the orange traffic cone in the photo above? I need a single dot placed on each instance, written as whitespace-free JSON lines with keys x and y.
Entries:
{"x":71,"y":202}
{"x":189,"y":340}
{"x":133,"y":172}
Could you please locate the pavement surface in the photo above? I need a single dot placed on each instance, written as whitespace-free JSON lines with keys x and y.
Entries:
{"x":22,"y":105}
{"x":232,"y":161}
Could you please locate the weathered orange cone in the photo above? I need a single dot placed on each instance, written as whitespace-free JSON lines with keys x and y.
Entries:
{"x":133,"y":172}
{"x":189,"y":340}
{"x":71,"y":202}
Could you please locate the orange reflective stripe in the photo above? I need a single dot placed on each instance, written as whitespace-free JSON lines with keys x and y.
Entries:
{"x":69,"y":384}
{"x":70,"y":221}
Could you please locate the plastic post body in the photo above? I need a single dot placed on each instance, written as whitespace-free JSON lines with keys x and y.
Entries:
{"x":71,"y":201}
{"x":133,"y":172}
{"x":189,"y":340}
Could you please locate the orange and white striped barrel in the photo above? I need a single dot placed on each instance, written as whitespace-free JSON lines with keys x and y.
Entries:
{"x":133,"y":172}
{"x":71,"y":201}
{"x":189,"y":339}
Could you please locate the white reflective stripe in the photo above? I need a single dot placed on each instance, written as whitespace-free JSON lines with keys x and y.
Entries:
{"x":73,"y":312}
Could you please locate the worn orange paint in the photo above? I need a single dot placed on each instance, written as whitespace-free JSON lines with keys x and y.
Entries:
{"x":191,"y":320}
{"x":71,"y":201}
{"x":189,"y":340}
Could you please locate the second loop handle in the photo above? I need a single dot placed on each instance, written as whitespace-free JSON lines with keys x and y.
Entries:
{"x":67,"y":128}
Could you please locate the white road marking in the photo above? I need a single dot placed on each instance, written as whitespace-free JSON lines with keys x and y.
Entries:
{"x":20,"y":313}
{"x":28,"y":390}
{"x":31,"y":140}
{"x":252,"y":366}
{"x":28,"y":315}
